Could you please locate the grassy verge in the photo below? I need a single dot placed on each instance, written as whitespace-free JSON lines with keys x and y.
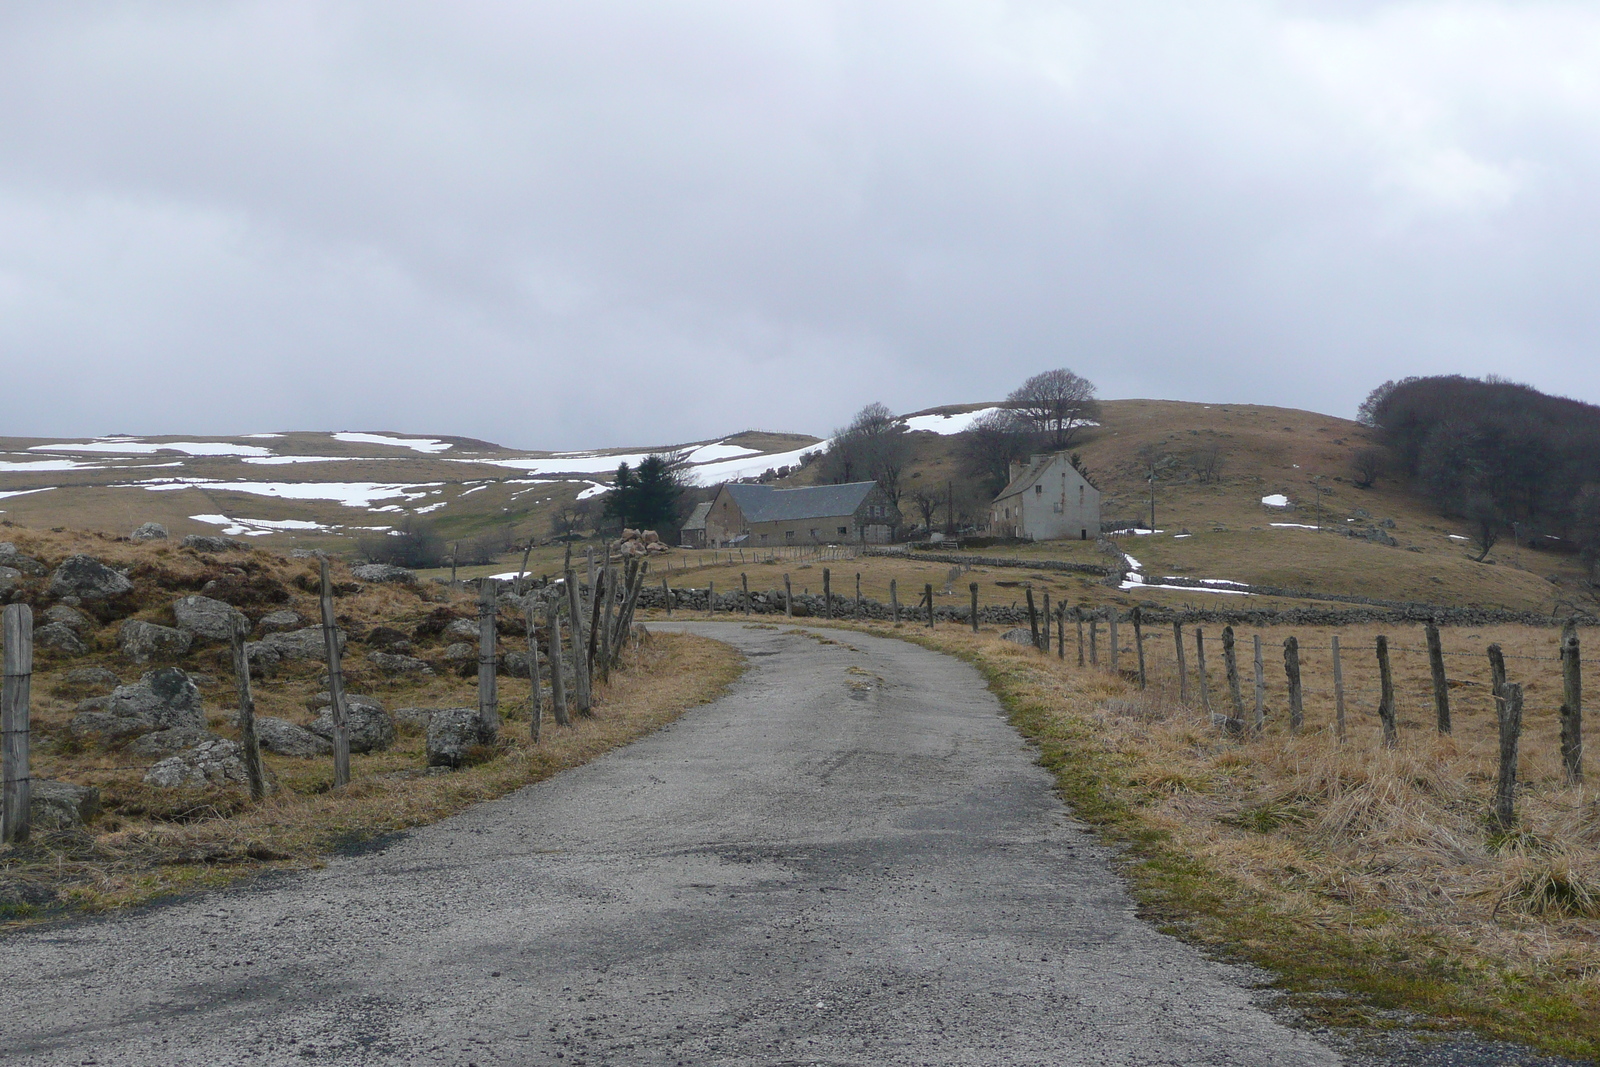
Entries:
{"x":1370,"y":885}
{"x":211,"y":838}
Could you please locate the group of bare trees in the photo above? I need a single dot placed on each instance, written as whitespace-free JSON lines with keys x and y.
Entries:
{"x":1046,"y":412}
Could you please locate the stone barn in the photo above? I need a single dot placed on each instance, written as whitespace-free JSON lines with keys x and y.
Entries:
{"x":761,"y":516}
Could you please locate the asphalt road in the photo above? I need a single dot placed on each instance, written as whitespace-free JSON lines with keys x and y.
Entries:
{"x":850,"y":859}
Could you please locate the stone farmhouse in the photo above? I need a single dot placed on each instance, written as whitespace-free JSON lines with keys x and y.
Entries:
{"x":693,"y":534}
{"x":1046,"y":500}
{"x":761,"y":516}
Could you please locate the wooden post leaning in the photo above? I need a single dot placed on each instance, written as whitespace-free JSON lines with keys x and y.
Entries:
{"x":580,"y":660}
{"x":1571,"y":704}
{"x":1291,"y":669}
{"x":608,"y":581}
{"x":488,"y":682}
{"x":1230,"y":663}
{"x":1183,"y":667}
{"x":894,"y":601}
{"x":1138,"y":641}
{"x":558,"y":680}
{"x":1033,"y":616}
{"x":1497,"y":671}
{"x":1338,"y":693}
{"x":16,"y":782}
{"x":247,"y":712}
{"x":1200,"y":668}
{"x":928,"y":592}
{"x":535,"y":698}
{"x":1441,"y":685}
{"x":1259,"y":724}
{"x":1391,"y":736}
{"x":1509,"y":708}
{"x":330,"y":641}
{"x":972,"y":612}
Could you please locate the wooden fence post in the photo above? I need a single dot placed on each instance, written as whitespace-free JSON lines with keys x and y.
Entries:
{"x":1077,"y":615}
{"x":1571,"y":704}
{"x":666,"y":594}
{"x":1116,"y":642}
{"x":858,"y":594}
{"x":744,"y":591}
{"x":1497,"y":671}
{"x":1183,"y":668}
{"x":1044,"y":634}
{"x":608,"y":593}
{"x":1061,"y":631}
{"x":1200,"y":667}
{"x":558,"y":680}
{"x":16,"y":792}
{"x":330,"y":641}
{"x":1391,"y":737}
{"x":894,"y":601}
{"x":1033,"y":616}
{"x":1441,"y":685}
{"x":1230,"y":662}
{"x":1338,"y":693}
{"x":1509,"y":706}
{"x":1291,"y":668}
{"x":827,"y":593}
{"x":928,"y":592}
{"x":1094,"y":640}
{"x":599,"y":596}
{"x":1138,"y":641}
{"x":788,"y":597}
{"x":1260,"y":723}
{"x":535,"y":698}
{"x":711,"y":597}
{"x":247,"y":712}
{"x":972,"y":590}
{"x":580,"y":658}
{"x":488,"y":683}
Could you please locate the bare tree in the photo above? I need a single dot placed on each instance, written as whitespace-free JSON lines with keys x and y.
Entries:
{"x":989,"y":446}
{"x":1057,"y":402}
{"x":927,"y":501}
{"x":1368,"y":464}
{"x":1207,"y":462}
{"x":1486,"y":525}
{"x":873,"y":447}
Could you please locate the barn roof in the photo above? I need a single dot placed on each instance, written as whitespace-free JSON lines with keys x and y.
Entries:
{"x":763,"y":503}
{"x":1032,"y":472}
{"x":697,"y":517}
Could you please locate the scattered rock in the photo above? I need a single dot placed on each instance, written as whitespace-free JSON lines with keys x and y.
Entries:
{"x":88,"y":578}
{"x":1387,"y":524}
{"x":320,"y":702}
{"x":515,"y":664}
{"x":388,"y":638}
{"x":59,"y":636}
{"x":1018,"y":636}
{"x":209,"y":619}
{"x":412,"y":718}
{"x":307,"y":553}
{"x":68,"y":616}
{"x":391,"y":663}
{"x":212,"y":763}
{"x":383,"y":572}
{"x":287,"y":739}
{"x":461,"y":630}
{"x":140,"y":640}
{"x":27,"y":565}
{"x":62,"y":805}
{"x":165,"y":742}
{"x":92,"y":676}
{"x":278,"y":621}
{"x":9,"y":577}
{"x":369,"y":727}
{"x":158,"y":701}
{"x":150,"y":531}
{"x":452,"y":733}
{"x":210,"y":543}
{"x":461,"y":652}
{"x":299,"y":644}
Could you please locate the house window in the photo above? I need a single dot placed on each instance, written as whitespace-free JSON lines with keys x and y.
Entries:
{"x":813,"y":533}
{"x":788,"y":537}
{"x":1080,"y":496}
{"x":844,"y":531}
{"x":763,"y":538}
{"x":1038,"y":490}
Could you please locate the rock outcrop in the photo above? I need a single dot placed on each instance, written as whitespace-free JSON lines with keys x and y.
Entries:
{"x":89,"y":579}
{"x":141,"y":641}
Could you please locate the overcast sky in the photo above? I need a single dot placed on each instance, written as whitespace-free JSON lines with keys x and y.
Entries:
{"x":574,"y":224}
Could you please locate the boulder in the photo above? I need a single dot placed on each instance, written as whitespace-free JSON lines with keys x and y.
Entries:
{"x":68,"y":616}
{"x":211,"y":763}
{"x":92,"y":676}
{"x":9,"y":577}
{"x":388,"y":638}
{"x":27,"y":565}
{"x":1018,"y":636}
{"x":461,"y":630}
{"x":305,"y":643}
{"x":210,"y":543}
{"x":515,"y":664}
{"x":61,"y":805}
{"x":60,"y":637}
{"x":368,"y":726}
{"x":307,"y":553}
{"x":88,"y":578}
{"x":278,"y":621}
{"x":160,"y":743}
{"x":287,"y":739}
{"x":460,"y":652}
{"x":150,"y":531}
{"x":390,"y":663}
{"x":140,"y":640}
{"x":452,"y":733}
{"x":159,"y":700}
{"x":209,"y":619}
{"x":383,"y":572}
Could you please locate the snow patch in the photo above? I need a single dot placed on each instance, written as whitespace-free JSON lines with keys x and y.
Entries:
{"x":595,"y":489}
{"x":258,"y":527}
{"x":25,"y":492}
{"x":350,"y":494}
{"x":1293,"y":526}
{"x":419,"y":444}
{"x":1275,"y":500}
{"x":39,"y":466}
{"x":128,"y":446}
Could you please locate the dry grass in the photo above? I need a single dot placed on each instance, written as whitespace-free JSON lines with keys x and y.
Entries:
{"x":1342,"y":867}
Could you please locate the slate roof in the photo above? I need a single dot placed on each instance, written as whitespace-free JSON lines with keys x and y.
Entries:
{"x":697,"y":517}
{"x":763,"y":503}
{"x":1031,"y":473}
